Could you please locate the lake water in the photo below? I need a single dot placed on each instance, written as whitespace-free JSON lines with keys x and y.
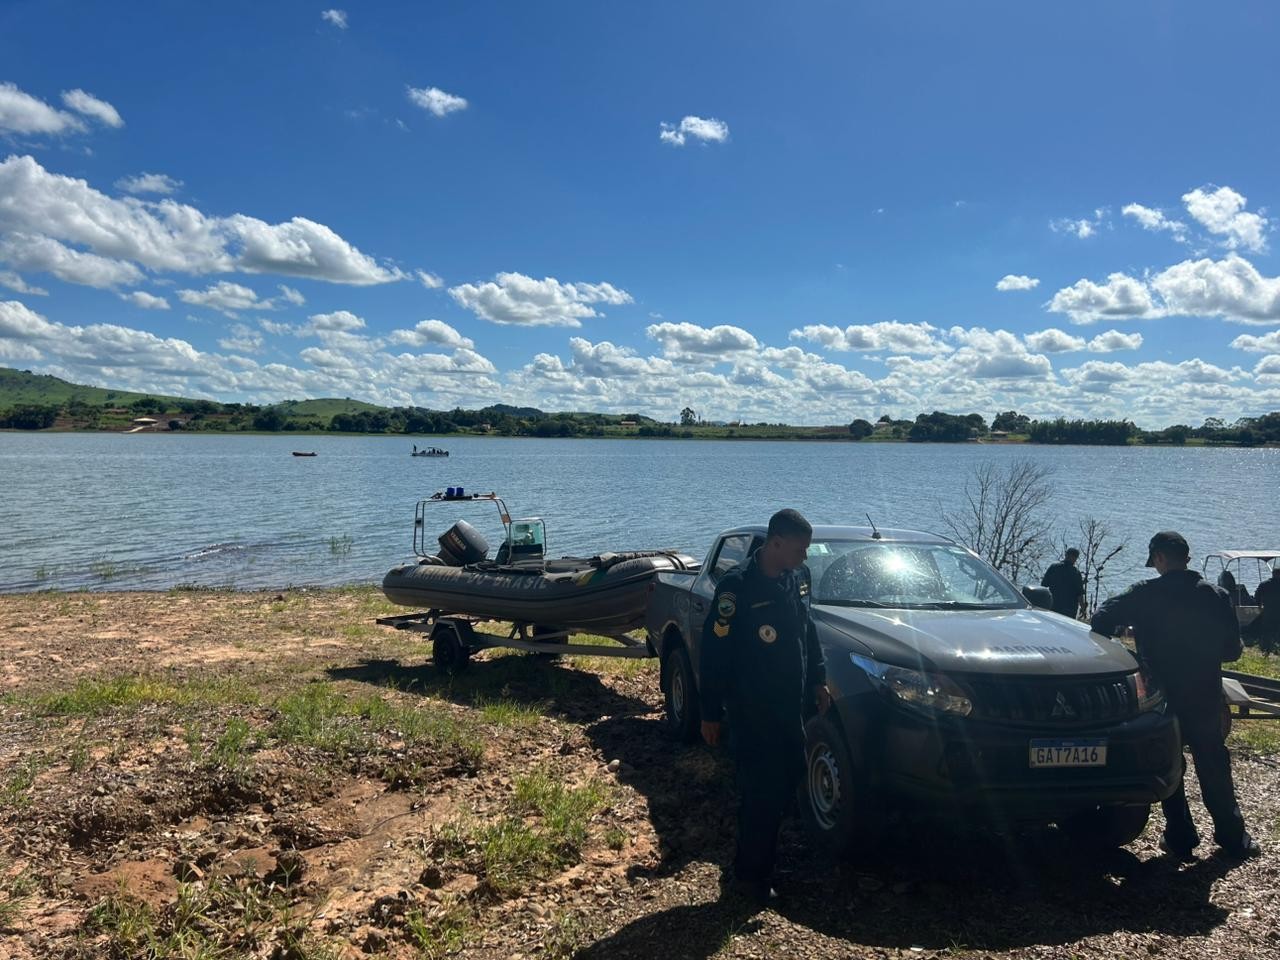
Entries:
{"x":152,"y":511}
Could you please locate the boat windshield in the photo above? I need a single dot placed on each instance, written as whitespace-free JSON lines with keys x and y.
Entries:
{"x":917,"y":576}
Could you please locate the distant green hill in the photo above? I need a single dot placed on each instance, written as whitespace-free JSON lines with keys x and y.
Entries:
{"x":18,"y":387}
{"x":324,"y":409}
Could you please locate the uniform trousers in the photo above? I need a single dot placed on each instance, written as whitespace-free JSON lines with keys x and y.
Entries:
{"x":768,"y":768}
{"x":1202,"y":735}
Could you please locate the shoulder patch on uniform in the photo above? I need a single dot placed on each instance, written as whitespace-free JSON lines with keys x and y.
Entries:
{"x":727,"y":605}
{"x":720,"y":628}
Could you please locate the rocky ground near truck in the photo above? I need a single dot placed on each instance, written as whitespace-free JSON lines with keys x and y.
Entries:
{"x":207,"y":775}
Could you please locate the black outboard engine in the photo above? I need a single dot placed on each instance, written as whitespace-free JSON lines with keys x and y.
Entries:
{"x":462,"y":544}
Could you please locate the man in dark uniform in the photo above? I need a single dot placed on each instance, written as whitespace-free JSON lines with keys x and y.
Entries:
{"x":760,"y":658}
{"x":1265,"y":630}
{"x":1185,"y":627}
{"x":1065,"y":583}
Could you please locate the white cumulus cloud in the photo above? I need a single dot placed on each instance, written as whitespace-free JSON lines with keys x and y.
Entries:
{"x":22,"y":113}
{"x":1267,"y":343}
{"x":1014,"y":281}
{"x":435,"y":101}
{"x":428,"y":279}
{"x":1121,"y":296}
{"x":429,"y":332}
{"x":35,"y":253}
{"x":225,"y":297}
{"x":871,"y":337}
{"x":688,"y":341}
{"x":159,"y":183}
{"x":519,"y":300}
{"x":1083,"y":228}
{"x":336,"y":17}
{"x":1222,"y":212}
{"x":1054,"y":340}
{"x":166,"y":235}
{"x":147,"y":301}
{"x":90,"y":106}
{"x":290,"y":295}
{"x":15,"y":283}
{"x":1231,"y":288}
{"x":1155,"y":220}
{"x":705,"y":129}
{"x":1113,"y":341}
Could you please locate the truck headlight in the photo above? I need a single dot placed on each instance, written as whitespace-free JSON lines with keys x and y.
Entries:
{"x":931,"y":691}
{"x":1146,"y":692}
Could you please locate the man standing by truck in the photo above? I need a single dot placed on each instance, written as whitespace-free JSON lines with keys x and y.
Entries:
{"x":760,"y":659}
{"x":1065,"y":583}
{"x":1185,"y":628}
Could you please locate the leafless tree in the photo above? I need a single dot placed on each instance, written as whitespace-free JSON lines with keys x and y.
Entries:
{"x":1095,"y":553}
{"x":1006,"y":516}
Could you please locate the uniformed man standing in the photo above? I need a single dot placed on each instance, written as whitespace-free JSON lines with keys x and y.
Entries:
{"x":760,"y":658}
{"x":1066,"y":584}
{"x":1185,"y":628}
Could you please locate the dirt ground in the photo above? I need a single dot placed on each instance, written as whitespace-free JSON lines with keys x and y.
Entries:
{"x":208,"y":775}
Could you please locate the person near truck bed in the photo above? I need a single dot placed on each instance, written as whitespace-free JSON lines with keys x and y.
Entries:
{"x":1065,"y":583}
{"x":1185,"y":628}
{"x":760,"y":659}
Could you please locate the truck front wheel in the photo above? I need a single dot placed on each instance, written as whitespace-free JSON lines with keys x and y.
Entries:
{"x":842,"y":810}
{"x":680,"y":693}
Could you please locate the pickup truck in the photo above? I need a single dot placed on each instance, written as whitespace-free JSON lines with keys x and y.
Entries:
{"x":953,"y":694}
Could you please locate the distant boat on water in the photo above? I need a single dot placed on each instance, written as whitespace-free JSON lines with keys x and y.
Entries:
{"x":299,"y":453}
{"x":429,"y":452}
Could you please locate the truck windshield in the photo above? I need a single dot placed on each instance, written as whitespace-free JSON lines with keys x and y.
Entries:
{"x":917,"y":576}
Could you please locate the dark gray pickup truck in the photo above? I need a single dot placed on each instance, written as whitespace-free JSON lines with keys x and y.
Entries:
{"x":952,"y":694}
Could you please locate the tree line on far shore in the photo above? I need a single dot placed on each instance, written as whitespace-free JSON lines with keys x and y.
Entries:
{"x":506,"y":420}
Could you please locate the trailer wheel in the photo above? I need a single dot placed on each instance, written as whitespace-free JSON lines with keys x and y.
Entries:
{"x":680,"y":694}
{"x":448,"y":652}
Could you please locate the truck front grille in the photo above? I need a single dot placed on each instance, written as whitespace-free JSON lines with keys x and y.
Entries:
{"x":1051,"y":702}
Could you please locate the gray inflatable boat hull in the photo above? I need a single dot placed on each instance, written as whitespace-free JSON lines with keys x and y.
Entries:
{"x":605,"y":594}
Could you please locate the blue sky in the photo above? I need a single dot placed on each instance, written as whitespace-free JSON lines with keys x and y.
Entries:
{"x":799,"y":213}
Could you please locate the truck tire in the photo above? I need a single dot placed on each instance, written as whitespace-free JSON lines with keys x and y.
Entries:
{"x":843,"y":812}
{"x":680,"y":696}
{"x":1108,"y":826}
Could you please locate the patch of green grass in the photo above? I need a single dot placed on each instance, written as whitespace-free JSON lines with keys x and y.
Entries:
{"x":510,"y":713}
{"x":319,"y":715}
{"x":441,"y":932}
{"x":15,"y":790}
{"x":1260,"y":737}
{"x":230,"y":749}
{"x":1258,"y":663}
{"x":95,"y":696}
{"x":564,"y":939}
{"x":15,"y":890}
{"x":615,"y":838}
{"x":358,"y":631}
{"x":543,"y":831}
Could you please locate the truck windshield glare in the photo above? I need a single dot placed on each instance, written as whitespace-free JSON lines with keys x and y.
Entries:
{"x":907,"y":576}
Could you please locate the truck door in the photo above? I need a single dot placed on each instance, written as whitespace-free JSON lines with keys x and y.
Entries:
{"x":732,"y":550}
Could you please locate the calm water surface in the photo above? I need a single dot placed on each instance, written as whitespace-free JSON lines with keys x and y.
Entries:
{"x":115,"y":512}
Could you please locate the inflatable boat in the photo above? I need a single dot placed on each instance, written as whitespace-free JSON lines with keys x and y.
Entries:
{"x":603,"y":594}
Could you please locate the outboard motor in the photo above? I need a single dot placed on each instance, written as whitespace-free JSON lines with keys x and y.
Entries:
{"x":462,"y":544}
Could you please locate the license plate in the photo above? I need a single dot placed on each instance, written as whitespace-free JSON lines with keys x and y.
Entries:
{"x":1068,"y":753}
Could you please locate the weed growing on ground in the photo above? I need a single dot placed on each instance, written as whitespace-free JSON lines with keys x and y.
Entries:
{"x":229,"y":751}
{"x":96,"y":696}
{"x":15,"y":890}
{"x":15,"y":791}
{"x":320,"y":716}
{"x":193,"y":734}
{"x":1255,"y":736}
{"x":565,"y":811}
{"x":440,"y":932}
{"x":509,"y":713}
{"x":564,"y":939}
{"x":615,"y":838}
{"x":78,"y":756}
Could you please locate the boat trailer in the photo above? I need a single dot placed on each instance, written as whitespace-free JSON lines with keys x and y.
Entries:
{"x":1250,"y":697}
{"x":454,"y":638}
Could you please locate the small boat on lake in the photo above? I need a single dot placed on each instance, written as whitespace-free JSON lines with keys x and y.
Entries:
{"x":300,"y":453}
{"x":428,"y":452}
{"x":604,"y":593}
